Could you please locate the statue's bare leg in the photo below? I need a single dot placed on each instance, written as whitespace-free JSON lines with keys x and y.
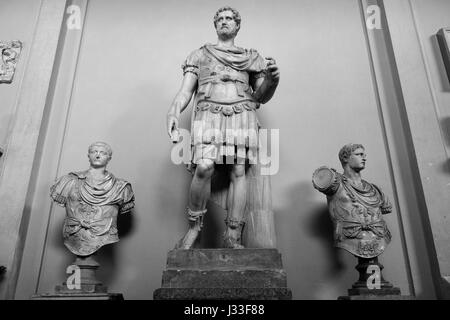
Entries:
{"x":198,"y":197}
{"x":236,"y":208}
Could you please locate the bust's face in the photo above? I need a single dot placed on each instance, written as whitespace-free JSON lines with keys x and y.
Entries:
{"x":98,"y":156}
{"x":357,"y":160}
{"x":226,"y":26}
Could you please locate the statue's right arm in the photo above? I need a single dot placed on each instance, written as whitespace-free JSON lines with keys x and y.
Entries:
{"x":180,"y":102}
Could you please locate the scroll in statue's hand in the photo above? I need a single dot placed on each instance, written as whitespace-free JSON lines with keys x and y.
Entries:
{"x":272,"y":71}
{"x":172,"y":128}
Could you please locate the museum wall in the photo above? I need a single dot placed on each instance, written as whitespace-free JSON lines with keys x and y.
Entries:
{"x":125,"y":75}
{"x":17,"y":22}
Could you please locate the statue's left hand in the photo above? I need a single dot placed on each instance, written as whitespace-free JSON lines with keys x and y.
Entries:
{"x":273,"y":73}
{"x":172,"y":128}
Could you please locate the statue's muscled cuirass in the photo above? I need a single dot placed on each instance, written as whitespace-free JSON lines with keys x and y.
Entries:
{"x":222,"y":84}
{"x":224,"y":121}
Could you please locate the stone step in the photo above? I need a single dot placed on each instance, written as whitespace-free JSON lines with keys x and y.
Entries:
{"x":275,"y":278}
{"x":80,"y":296}
{"x":222,"y":294}
{"x":224,"y":259}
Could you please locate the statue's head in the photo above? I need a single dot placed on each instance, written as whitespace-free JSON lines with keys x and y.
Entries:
{"x":353,"y":155}
{"x":99,"y":154}
{"x":227,"y":22}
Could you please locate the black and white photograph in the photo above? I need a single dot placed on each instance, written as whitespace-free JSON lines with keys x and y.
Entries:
{"x":231,"y":157}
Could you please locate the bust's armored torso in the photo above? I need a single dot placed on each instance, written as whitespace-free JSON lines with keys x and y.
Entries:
{"x":357,"y":213}
{"x":91,"y":210}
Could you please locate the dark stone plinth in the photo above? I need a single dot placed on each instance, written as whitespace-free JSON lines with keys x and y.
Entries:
{"x":222,"y":294}
{"x":224,"y":274}
{"x":377,"y":297}
{"x":78,"y":296}
{"x":383,"y":291}
{"x":84,"y":288}
{"x":377,"y":292}
{"x":224,"y":258}
{"x":224,"y":279}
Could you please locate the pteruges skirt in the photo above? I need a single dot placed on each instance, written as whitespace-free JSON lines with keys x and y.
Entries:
{"x":226,"y":134}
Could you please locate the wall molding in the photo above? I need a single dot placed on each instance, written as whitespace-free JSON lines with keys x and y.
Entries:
{"x":18,"y":161}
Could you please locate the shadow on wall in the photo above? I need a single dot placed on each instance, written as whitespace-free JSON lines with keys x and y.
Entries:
{"x":211,"y":236}
{"x":320,"y":226}
{"x":2,"y":272}
{"x":106,"y":255}
{"x":316,"y":268}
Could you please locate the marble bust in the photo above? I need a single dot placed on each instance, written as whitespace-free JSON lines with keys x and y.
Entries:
{"x":356,"y":206}
{"x":93,"y":199}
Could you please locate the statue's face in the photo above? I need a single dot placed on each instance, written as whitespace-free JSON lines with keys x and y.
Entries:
{"x":98,"y":156}
{"x":357,"y":160}
{"x":226,"y":26}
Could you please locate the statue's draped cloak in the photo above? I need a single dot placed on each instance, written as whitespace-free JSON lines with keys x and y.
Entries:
{"x":238,"y":58}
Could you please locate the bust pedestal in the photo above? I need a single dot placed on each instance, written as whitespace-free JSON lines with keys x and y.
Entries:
{"x":88,"y":288}
{"x":224,"y":274}
{"x":371,"y":285}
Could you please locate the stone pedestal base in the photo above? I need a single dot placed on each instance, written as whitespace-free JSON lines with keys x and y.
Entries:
{"x":377,"y":297}
{"x":78,"y":296}
{"x":371,"y":285}
{"x":87,"y":287}
{"x":224,"y":274}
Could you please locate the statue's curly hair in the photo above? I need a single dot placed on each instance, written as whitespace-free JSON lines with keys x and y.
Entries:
{"x":347,"y":150}
{"x":103,"y":144}
{"x":236,"y":15}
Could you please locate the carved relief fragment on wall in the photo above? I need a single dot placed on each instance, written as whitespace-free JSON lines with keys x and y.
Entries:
{"x":10,"y":52}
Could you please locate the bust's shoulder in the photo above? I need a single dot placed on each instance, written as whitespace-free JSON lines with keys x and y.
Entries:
{"x":60,"y":190}
{"x":122,"y":181}
{"x":326,"y":179}
{"x":71,"y":177}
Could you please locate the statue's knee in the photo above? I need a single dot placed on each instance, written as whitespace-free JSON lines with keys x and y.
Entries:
{"x":238,"y":171}
{"x":205,"y":169}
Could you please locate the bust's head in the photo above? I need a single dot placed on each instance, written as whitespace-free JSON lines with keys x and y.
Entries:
{"x":99,"y":154}
{"x":227,"y":22}
{"x":353,"y":156}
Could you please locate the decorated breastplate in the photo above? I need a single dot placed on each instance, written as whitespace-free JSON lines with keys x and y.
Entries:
{"x":357,"y":214}
{"x":222,"y":84}
{"x":88,"y":227}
